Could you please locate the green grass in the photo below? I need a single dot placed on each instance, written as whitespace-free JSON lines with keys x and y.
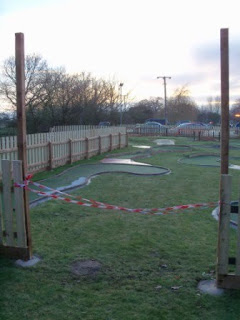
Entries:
{"x":132,"y":249}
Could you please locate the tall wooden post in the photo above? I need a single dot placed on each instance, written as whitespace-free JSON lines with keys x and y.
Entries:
{"x":225,"y":196}
{"x":224,"y":101}
{"x":21,"y":125}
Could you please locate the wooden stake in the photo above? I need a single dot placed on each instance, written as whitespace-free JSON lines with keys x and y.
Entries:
{"x":21,"y":124}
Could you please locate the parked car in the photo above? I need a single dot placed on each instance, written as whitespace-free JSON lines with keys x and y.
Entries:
{"x":150,"y":127}
{"x":104,"y":124}
{"x":191,"y":126}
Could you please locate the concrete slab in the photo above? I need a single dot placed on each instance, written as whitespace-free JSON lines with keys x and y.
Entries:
{"x":28,"y":263}
{"x":164,"y":142}
{"x":210,"y":287}
{"x":123,"y":161}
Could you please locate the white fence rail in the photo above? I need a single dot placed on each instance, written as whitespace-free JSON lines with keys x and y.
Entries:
{"x":53,"y":149}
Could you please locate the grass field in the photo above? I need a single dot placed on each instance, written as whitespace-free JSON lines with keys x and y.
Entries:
{"x":150,"y":265}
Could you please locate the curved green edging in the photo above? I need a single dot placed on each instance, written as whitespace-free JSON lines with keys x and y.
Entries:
{"x":202,"y":159}
{"x":152,"y":151}
{"x":79,"y":176}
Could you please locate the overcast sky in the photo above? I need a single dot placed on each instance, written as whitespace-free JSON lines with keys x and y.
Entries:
{"x":131,"y":41}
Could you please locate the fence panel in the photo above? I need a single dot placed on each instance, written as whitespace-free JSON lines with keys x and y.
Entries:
{"x":7,"y":203}
{"x":52,"y":149}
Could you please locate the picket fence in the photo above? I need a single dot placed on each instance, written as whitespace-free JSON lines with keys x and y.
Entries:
{"x":13,"y":238}
{"x":53,"y":149}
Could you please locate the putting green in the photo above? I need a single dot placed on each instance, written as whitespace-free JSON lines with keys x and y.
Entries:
{"x":80,"y":175}
{"x":152,"y":150}
{"x":202,"y":160}
{"x":208,"y":160}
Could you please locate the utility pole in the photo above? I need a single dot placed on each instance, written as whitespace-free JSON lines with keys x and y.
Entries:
{"x":121,"y":101}
{"x":165,"y":97}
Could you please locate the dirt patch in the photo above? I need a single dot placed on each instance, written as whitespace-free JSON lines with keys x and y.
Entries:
{"x":86,"y":267}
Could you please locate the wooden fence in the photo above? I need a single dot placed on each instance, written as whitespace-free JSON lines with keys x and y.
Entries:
{"x":226,"y":279}
{"x":53,"y":149}
{"x":13,"y":238}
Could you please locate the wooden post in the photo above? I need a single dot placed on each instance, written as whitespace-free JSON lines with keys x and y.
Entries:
{"x":111,"y":141}
{"x":223,"y":238}
{"x":70,"y":151}
{"x":119,"y":142}
{"x":223,"y":280}
{"x":100,"y":144}
{"x":87,"y":147}
{"x":50,"y":151}
{"x":126,"y":139}
{"x":21,"y":124}
{"x":199,"y":135}
{"x":224,"y":101}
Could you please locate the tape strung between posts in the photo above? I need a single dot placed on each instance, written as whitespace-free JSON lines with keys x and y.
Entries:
{"x":102,"y":205}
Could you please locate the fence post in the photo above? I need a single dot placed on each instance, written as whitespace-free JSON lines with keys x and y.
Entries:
{"x":199,"y":135}
{"x":126,"y":139}
{"x":70,"y":151}
{"x":21,"y":124}
{"x":119,"y":143}
{"x":50,"y":151}
{"x":111,"y":141}
{"x":87,"y":147}
{"x":194,"y":135}
{"x":100,"y":144}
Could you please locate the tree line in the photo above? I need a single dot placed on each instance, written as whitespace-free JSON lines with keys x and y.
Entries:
{"x":54,"y":98}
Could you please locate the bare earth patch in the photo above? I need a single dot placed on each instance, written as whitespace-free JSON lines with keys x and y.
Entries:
{"x":86,"y":267}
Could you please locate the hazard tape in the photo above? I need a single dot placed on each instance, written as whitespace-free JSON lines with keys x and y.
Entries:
{"x":102,"y":205}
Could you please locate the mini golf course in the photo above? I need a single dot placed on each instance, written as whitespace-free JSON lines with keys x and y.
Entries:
{"x":81,"y":175}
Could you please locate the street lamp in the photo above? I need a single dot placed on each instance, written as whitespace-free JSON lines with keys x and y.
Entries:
{"x":165,"y":96}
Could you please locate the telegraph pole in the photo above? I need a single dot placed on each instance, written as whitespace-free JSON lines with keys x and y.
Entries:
{"x":121,"y":101}
{"x":165,"y":96}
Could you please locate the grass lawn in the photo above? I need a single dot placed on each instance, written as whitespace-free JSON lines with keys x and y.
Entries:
{"x":150,"y":265}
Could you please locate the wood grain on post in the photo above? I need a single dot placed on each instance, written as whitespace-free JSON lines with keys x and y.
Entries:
{"x":223,"y":233}
{"x":224,"y":101}
{"x":21,"y":125}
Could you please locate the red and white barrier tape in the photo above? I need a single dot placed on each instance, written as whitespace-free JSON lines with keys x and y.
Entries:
{"x":102,"y":205}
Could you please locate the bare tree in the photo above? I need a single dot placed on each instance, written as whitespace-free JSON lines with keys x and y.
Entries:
{"x":35,"y":68}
